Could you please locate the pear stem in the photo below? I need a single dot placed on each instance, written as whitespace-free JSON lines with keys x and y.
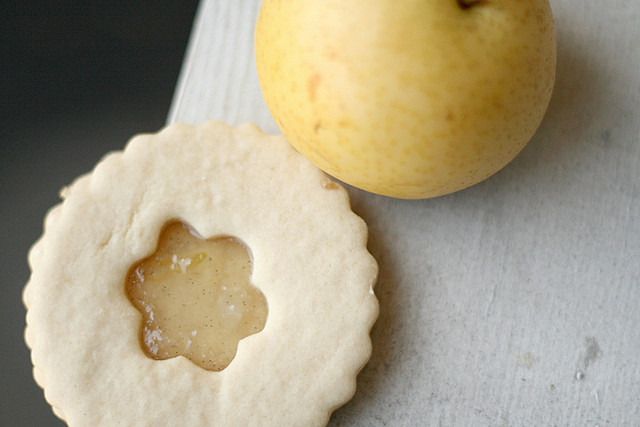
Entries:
{"x":466,"y":4}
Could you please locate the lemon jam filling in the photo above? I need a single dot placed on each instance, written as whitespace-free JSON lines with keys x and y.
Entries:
{"x":195,"y":297}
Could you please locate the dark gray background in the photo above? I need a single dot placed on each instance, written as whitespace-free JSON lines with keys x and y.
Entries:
{"x":77,"y":79}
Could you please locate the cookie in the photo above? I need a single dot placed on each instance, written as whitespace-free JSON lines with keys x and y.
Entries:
{"x":193,"y":238}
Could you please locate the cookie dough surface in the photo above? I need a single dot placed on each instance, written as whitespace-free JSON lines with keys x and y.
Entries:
{"x":310,"y":261}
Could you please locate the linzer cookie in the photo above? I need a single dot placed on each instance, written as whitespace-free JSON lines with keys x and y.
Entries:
{"x":205,"y":275}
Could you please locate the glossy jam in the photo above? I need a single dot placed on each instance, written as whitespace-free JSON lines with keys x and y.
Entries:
{"x":195,"y":297}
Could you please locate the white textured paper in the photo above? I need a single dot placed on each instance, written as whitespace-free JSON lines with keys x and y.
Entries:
{"x":517,"y":301}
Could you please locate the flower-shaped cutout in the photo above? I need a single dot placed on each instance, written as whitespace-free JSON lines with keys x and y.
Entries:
{"x":195,"y":297}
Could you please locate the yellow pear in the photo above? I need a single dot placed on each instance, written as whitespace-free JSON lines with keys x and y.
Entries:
{"x":407,"y":98}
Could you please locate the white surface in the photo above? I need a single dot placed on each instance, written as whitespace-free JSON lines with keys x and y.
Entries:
{"x":517,"y":301}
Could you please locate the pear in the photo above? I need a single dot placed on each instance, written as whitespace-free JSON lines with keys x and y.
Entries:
{"x":407,"y":98}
